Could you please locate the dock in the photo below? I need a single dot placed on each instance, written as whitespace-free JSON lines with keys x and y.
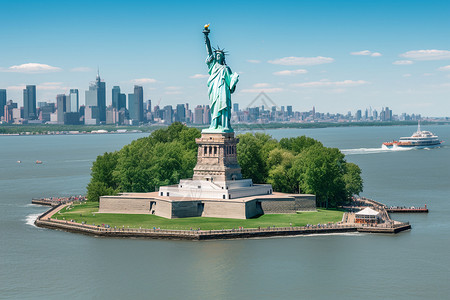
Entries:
{"x":55,"y":201}
{"x":407,"y":209}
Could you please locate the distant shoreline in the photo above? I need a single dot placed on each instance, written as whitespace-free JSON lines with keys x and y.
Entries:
{"x":44,"y":129}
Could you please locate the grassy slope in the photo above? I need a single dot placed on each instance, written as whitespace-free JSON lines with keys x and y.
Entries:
{"x":89,"y":215}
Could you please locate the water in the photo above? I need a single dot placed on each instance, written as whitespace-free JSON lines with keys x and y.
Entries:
{"x":38,"y":263}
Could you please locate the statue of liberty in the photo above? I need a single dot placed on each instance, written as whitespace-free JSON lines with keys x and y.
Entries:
{"x":221,"y":84}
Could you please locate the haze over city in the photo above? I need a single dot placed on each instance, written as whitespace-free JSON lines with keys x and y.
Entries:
{"x":337,"y":57}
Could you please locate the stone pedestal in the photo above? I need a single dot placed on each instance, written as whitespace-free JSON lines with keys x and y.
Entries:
{"x":217,"y":158}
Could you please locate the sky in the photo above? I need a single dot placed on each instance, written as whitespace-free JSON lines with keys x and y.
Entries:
{"x":338,"y":56}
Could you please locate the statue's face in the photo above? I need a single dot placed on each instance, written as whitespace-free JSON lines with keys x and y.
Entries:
{"x":219,"y":57}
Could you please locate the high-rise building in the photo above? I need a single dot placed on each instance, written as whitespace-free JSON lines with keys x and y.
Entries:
{"x":122,"y":101}
{"x":131,"y":106}
{"x":180,"y":115}
{"x":8,"y":111}
{"x":388,"y":114}
{"x":235,"y":107}
{"x":168,"y":114}
{"x":61,"y":107}
{"x":74,"y":101}
{"x":96,"y":97}
{"x":2,"y":102}
{"x":358,"y":115}
{"x":29,"y":102}
{"x":206,"y":115}
{"x":289,"y":110}
{"x":115,"y":97}
{"x":139,"y":101}
{"x":198,"y":115}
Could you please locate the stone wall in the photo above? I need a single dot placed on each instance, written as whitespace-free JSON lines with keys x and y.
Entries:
{"x":224,"y":209}
{"x":305,"y":202}
{"x":275,"y":206}
{"x":131,"y":205}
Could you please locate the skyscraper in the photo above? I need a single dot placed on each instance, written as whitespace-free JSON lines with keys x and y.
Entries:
{"x":139,"y":102}
{"x":180,"y":113}
{"x":2,"y":102}
{"x":115,"y":97}
{"x":131,"y":104}
{"x":29,"y":102}
{"x":122,"y":101}
{"x":168,"y":114}
{"x":74,"y":101}
{"x":96,"y":97}
{"x":235,"y":107}
{"x":61,"y":107}
{"x":198,"y":115}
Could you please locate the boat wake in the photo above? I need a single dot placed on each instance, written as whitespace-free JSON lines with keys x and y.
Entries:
{"x":29,"y":219}
{"x":382,"y":149}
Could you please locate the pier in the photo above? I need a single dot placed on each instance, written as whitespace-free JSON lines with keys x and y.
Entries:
{"x":55,"y":201}
{"x":412,"y":209}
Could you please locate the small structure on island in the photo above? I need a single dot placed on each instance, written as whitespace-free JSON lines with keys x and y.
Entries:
{"x":217,"y":188}
{"x":367,"y":216}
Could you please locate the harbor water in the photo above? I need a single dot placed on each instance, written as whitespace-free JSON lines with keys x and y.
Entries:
{"x":39,"y":263}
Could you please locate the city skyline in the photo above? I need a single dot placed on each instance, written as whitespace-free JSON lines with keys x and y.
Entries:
{"x":334,"y":56}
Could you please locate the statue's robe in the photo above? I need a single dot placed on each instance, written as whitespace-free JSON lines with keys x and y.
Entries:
{"x":220,"y":83}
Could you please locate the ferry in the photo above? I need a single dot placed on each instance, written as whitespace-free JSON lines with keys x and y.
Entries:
{"x":38,"y":162}
{"x":419,"y":139}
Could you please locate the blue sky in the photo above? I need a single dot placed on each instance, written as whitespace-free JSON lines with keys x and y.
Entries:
{"x":336,"y":55}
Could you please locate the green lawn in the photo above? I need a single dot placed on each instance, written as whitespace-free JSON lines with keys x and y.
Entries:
{"x":87,"y":212}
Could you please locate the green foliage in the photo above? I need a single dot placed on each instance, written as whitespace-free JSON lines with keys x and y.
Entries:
{"x":252,"y":153}
{"x":163,"y":158}
{"x":302,"y":164}
{"x":293,"y":165}
{"x":352,"y":179}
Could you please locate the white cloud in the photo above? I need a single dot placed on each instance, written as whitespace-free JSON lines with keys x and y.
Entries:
{"x":46,"y":86}
{"x":173,"y":88}
{"x":427,"y":54}
{"x":290,"y":72}
{"x":253,"y":61}
{"x":327,"y":83}
{"x":259,"y":90}
{"x":32,"y":68}
{"x":403,"y":62}
{"x":261,"y":85}
{"x":366,"y":53}
{"x":197,"y":76}
{"x":81,"y":69}
{"x":301,"y":61}
{"x":144,"y":81}
{"x":444,"y":68}
{"x":406,"y":75}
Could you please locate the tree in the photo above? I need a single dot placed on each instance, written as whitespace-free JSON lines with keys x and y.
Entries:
{"x":318,"y":170}
{"x":252,"y":154}
{"x":163,"y":158}
{"x":279,"y":164}
{"x":353,"y":180}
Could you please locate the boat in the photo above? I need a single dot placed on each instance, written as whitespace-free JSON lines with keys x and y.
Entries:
{"x":38,"y":162}
{"x":419,"y":139}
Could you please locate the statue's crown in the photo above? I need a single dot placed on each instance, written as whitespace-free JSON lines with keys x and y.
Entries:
{"x":218,"y":50}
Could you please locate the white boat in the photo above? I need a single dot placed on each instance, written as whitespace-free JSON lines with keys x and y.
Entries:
{"x":419,"y":139}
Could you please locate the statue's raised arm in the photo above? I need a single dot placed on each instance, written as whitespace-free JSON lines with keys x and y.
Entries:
{"x":207,"y":42}
{"x":221,"y":84}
